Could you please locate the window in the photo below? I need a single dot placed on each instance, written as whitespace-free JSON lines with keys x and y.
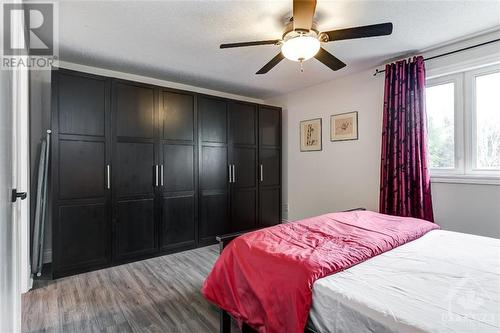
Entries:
{"x":487,"y":127}
{"x":463,"y":115}
{"x":441,"y":125}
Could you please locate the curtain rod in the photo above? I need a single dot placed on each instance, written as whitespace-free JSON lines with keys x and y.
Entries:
{"x":378,"y":71}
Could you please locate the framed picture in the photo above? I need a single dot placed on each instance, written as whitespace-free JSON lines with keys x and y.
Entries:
{"x":310,"y":135}
{"x":344,"y":126}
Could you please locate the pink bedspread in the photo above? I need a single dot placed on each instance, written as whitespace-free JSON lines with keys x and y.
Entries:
{"x":265,"y":277}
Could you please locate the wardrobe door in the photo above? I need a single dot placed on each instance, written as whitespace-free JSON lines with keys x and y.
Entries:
{"x":243,"y":161}
{"x":81,"y":200}
{"x":213,"y":166}
{"x":178,"y":152}
{"x":135,"y":175}
{"x":269,"y":166}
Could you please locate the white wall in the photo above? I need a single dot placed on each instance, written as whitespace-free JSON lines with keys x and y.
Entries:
{"x":468,"y":208}
{"x":346,"y":174}
{"x":40,"y":117}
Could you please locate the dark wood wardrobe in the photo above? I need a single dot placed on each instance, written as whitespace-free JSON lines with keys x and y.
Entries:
{"x":139,"y":170}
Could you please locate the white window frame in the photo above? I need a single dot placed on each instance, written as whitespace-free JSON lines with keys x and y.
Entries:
{"x":466,"y":170}
{"x":457,"y":80}
{"x":471,"y":121}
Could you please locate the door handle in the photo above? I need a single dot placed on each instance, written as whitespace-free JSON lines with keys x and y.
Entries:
{"x":108,"y":177}
{"x":161,"y":174}
{"x":230,"y":173}
{"x":15,"y":195}
{"x":156,"y":175}
{"x":261,"y":173}
{"x":234,"y":175}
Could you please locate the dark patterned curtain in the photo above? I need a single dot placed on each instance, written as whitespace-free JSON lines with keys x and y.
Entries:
{"x":404,"y":174}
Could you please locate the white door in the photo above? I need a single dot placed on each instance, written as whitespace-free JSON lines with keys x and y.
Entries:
{"x":10,"y":297}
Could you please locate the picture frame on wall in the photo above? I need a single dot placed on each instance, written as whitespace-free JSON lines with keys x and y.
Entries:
{"x":310,"y":135}
{"x":344,"y":126}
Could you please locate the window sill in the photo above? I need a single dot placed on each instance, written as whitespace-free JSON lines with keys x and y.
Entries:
{"x":466,"y":179}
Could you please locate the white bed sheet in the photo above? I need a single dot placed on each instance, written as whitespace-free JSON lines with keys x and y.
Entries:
{"x":443,"y":282}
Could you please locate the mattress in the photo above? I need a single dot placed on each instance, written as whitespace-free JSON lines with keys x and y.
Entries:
{"x":442,"y":282}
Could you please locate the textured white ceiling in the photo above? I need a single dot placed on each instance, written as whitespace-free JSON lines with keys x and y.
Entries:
{"x":179,"y":40}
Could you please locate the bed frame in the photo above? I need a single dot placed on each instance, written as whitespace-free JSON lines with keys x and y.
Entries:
{"x":225,"y":318}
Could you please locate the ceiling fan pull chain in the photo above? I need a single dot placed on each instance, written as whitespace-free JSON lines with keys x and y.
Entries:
{"x":302,"y":66}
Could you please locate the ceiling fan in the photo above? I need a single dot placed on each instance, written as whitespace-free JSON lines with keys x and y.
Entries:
{"x":302,"y":41}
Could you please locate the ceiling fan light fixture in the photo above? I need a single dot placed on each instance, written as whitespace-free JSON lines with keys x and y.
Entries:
{"x":300,"y":48}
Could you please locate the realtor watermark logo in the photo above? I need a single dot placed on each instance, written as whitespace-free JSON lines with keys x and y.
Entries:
{"x":469,"y":305}
{"x":29,"y":37}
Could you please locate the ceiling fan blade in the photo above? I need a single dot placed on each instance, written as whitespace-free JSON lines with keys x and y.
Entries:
{"x":303,"y":14}
{"x":260,"y":42}
{"x":373,"y":30}
{"x":274,"y":61}
{"x":329,"y":60}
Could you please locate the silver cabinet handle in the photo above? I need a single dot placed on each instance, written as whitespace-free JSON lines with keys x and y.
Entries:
{"x":230,"y":173}
{"x":261,"y":173}
{"x":161,"y":174}
{"x":108,"y":177}
{"x":156,"y":175}
{"x":234,"y":176}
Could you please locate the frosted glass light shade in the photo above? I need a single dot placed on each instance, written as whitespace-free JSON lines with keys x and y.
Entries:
{"x":300,"y":48}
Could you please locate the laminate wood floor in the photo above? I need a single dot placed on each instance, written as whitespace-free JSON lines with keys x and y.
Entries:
{"x":155,"y":295}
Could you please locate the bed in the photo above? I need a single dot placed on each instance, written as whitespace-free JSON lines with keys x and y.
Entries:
{"x":433,"y":283}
